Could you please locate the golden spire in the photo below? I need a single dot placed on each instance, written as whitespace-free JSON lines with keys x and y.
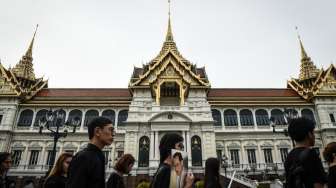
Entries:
{"x":24,"y":68}
{"x":303,"y":51}
{"x":29,"y":52}
{"x":307,"y":68}
{"x":169,"y":36}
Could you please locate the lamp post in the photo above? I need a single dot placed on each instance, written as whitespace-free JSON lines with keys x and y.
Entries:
{"x":53,"y":121}
{"x":290,"y":114}
{"x":225,"y":163}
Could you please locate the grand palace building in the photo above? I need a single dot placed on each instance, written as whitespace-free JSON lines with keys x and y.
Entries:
{"x":243,"y":127}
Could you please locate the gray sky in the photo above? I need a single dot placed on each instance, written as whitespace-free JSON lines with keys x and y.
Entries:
{"x":96,"y":43}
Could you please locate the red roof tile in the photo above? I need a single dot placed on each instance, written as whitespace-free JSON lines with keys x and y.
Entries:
{"x":84,"y":92}
{"x":251,"y":92}
{"x":124,"y":92}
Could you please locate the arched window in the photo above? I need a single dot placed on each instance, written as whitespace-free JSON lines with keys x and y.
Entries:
{"x":122,"y":117}
{"x":306,"y":113}
{"x":230,"y":118}
{"x":246,"y":117}
{"x":144,"y":152}
{"x":110,"y":114}
{"x":40,"y":114}
{"x":89,"y":116}
{"x":278,"y":116}
{"x":26,"y":118}
{"x":62,"y":112}
{"x":216,"y":115}
{"x":73,"y":114}
{"x":196,"y":151}
{"x":262,"y":117}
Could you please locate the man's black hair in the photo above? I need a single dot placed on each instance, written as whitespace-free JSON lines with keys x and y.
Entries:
{"x":167,"y":143}
{"x":299,"y":128}
{"x":97,"y":122}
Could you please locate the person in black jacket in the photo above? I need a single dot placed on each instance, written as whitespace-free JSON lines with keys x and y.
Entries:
{"x":123,"y":166}
{"x":5,"y":165}
{"x":211,"y":176}
{"x":303,"y":166}
{"x":57,"y":176}
{"x":87,"y":168}
{"x":161,"y":178}
{"x":329,"y":155}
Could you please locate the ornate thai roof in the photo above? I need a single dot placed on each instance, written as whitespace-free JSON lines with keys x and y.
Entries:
{"x":21,"y":81}
{"x":169,"y":61}
{"x":313,"y":82}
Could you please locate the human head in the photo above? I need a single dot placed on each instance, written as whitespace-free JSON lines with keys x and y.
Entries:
{"x":211,"y":170}
{"x":5,"y":162}
{"x":329,"y":153}
{"x":125,"y":164}
{"x":177,"y":156}
{"x":168,"y":142}
{"x":101,"y":129}
{"x":62,"y":164}
{"x":302,"y":129}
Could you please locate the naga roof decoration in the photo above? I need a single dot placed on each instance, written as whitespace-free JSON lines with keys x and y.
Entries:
{"x":312,"y":81}
{"x":169,"y":62}
{"x":21,"y":80}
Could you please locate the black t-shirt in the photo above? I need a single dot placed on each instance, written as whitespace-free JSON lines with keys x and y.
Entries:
{"x":115,"y":181}
{"x":332,"y":177}
{"x":55,"y":182}
{"x":313,"y":169}
{"x":162,"y":177}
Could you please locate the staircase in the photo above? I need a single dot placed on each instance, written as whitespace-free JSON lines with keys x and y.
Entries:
{"x":240,"y":180}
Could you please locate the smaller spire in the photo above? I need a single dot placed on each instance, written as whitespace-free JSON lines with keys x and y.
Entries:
{"x":303,"y":51}
{"x":169,"y":36}
{"x":307,"y":68}
{"x":24,"y":69}
{"x":29,"y":52}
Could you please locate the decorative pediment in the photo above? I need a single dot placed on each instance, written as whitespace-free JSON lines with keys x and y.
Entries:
{"x":323,"y":85}
{"x":234,"y":145}
{"x":169,"y":72}
{"x":170,"y":117}
{"x":169,"y":66}
{"x":10,"y":84}
{"x":266,"y":145}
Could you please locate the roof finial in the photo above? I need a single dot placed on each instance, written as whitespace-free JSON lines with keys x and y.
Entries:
{"x":29,"y":52}
{"x":169,"y":36}
{"x":303,"y":51}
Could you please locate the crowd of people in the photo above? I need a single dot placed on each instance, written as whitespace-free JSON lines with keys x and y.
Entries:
{"x":86,"y":169}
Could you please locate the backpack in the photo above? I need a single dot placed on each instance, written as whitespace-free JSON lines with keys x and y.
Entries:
{"x":295,"y":175}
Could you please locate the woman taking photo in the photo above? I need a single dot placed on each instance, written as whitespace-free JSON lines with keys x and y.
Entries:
{"x":58,"y":175}
{"x":123,"y":166}
{"x":211,"y":177}
{"x":329,"y":155}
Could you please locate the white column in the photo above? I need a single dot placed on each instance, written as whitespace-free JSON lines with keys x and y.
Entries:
{"x":157,"y":152}
{"x":243,"y":158}
{"x":254,"y":119}
{"x":33,"y":120}
{"x":83,"y":119}
{"x":151,"y":150}
{"x":188,"y":146}
{"x":238,"y":119}
{"x":116,"y":120}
